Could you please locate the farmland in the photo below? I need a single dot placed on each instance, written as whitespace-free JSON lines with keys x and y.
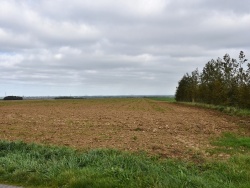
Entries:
{"x":138,"y":125}
{"x":121,"y":143}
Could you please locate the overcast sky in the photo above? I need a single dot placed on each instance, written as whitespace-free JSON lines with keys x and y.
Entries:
{"x":114,"y":47}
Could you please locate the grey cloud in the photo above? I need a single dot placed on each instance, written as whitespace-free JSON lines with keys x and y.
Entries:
{"x":115,"y":46}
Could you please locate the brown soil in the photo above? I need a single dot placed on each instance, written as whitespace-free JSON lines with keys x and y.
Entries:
{"x":167,"y":129}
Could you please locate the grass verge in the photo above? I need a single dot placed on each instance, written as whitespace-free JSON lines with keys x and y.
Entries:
{"x":226,"y":109}
{"x":34,"y":165}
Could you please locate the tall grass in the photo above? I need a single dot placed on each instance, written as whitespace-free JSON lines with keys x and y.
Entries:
{"x":43,"y":166}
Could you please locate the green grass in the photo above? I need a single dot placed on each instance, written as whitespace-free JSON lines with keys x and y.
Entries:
{"x":34,"y":165}
{"x":231,"y":140}
{"x":231,"y":143}
{"x":167,"y":99}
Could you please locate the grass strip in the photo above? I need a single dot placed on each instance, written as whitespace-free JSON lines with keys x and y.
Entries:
{"x":226,"y":109}
{"x":166,"y":99}
{"x":43,"y":166}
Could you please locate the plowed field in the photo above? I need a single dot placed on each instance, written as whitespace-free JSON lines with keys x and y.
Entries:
{"x":166,"y":129}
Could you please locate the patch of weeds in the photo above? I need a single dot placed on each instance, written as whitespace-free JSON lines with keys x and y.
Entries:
{"x":134,"y":138}
{"x":197,"y":157}
{"x":138,"y":129}
{"x":2,"y":171}
{"x":70,"y":122}
{"x":88,"y":124}
{"x":156,"y":107}
{"x":159,"y":109}
{"x":157,"y":147}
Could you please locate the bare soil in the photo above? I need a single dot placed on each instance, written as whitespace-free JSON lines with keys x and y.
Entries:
{"x":166,"y":129}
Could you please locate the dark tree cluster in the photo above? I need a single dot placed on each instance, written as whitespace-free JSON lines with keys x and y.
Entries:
{"x":12,"y":98}
{"x":222,"y":82}
{"x":65,"y":97}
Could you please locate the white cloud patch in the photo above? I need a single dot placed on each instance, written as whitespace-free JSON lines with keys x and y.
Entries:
{"x":58,"y":56}
{"x":10,"y":60}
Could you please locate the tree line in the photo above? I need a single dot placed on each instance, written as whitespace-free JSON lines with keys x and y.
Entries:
{"x":13,"y":98}
{"x":221,"y":82}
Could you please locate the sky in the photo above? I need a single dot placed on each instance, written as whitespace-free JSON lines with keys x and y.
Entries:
{"x":114,"y":47}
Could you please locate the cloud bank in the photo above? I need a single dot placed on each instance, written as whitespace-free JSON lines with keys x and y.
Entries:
{"x":114,"y":47}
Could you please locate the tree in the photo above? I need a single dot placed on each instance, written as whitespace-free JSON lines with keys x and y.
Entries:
{"x":187,"y":89}
{"x":182,"y":91}
{"x":243,"y":82}
{"x":212,"y":86}
{"x":221,"y":82}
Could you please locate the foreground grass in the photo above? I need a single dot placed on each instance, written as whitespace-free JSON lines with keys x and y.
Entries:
{"x":42,"y":166}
